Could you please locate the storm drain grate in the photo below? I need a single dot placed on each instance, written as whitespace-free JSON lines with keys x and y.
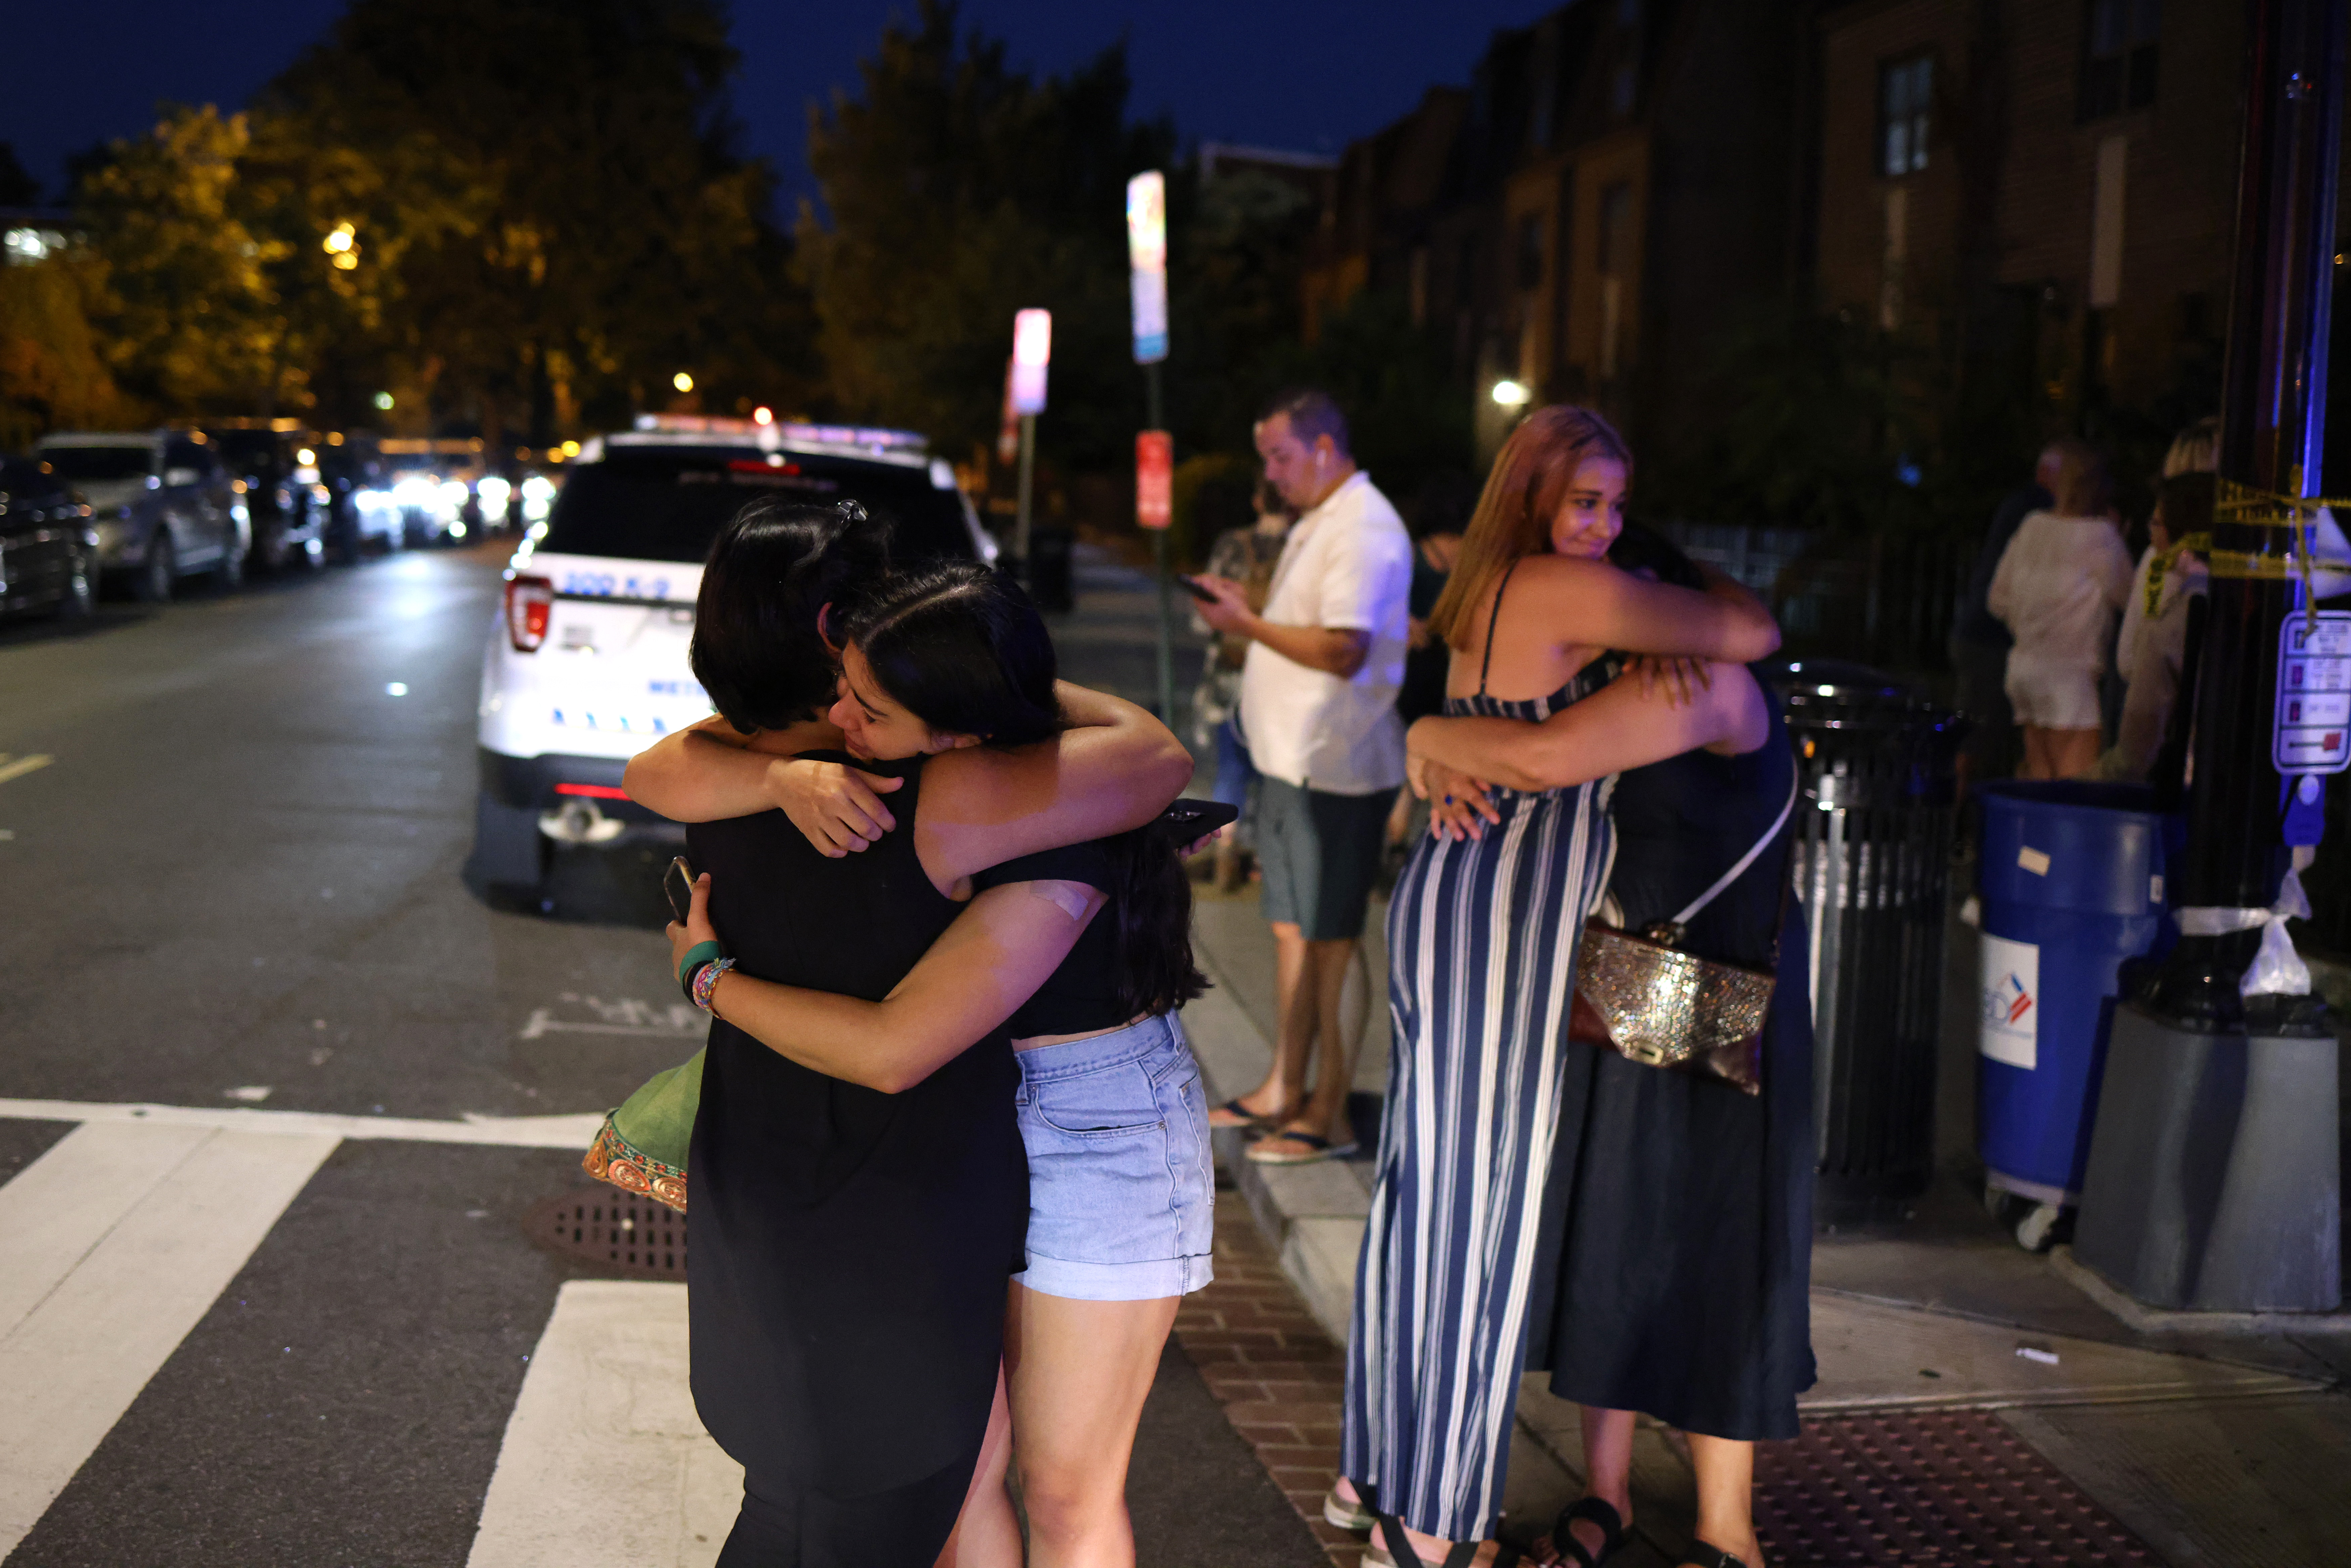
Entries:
{"x":1930,"y":1487}
{"x":615,"y":1230}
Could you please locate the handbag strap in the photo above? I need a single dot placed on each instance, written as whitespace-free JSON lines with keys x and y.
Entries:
{"x":1733,"y":874}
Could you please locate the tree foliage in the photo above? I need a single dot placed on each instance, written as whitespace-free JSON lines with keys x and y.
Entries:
{"x":957,"y":192}
{"x":546,"y":212}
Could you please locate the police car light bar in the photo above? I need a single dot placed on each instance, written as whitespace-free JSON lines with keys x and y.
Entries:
{"x":869,"y":438}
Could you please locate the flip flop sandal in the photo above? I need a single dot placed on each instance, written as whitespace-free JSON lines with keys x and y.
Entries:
{"x":1250,"y":1119}
{"x":1318,"y":1147}
{"x":1568,"y":1550}
{"x":1338,"y":1510}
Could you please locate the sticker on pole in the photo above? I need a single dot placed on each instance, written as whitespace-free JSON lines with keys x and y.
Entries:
{"x":1154,"y":478}
{"x":2312,"y":733}
{"x":2011,"y":1002}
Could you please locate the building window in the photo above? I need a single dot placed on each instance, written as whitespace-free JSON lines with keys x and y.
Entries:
{"x":2118,"y":57}
{"x":1906,"y":96}
{"x":1531,"y":250}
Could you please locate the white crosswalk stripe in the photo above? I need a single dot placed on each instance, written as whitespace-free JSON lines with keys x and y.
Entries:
{"x":605,"y":1460}
{"x":127,"y":1233}
{"x":121,"y":1236}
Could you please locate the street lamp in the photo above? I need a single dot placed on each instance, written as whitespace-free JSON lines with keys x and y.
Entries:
{"x":682,"y":382}
{"x":383,"y":401}
{"x":1510,"y":395}
{"x":341,"y":246}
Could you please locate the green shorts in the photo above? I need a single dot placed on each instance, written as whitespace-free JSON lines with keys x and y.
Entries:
{"x":1319,"y":854}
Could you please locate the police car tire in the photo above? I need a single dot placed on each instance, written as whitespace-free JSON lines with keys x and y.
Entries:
{"x":154,"y":582}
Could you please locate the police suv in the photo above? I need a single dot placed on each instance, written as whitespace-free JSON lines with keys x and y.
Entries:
{"x":587,"y":664}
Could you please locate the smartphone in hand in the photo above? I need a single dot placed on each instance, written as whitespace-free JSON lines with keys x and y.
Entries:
{"x":678,"y":883}
{"x":1192,"y":586}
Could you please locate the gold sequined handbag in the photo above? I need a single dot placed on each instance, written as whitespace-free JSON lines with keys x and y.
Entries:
{"x":1640,"y":995}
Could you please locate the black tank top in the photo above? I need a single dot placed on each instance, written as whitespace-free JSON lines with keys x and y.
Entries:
{"x":847,"y":1249}
{"x":1081,"y":994}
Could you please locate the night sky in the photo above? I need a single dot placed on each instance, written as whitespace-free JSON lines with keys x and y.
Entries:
{"x":1305,"y":75}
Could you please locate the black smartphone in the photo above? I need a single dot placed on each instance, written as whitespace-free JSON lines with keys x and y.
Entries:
{"x":678,"y":883}
{"x":1192,"y":586}
{"x":1188,"y":820}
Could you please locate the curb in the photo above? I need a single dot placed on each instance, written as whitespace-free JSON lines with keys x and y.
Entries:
{"x":1313,"y":1215}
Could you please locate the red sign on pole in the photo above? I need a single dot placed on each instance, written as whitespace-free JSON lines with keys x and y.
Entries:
{"x":1154,"y":478}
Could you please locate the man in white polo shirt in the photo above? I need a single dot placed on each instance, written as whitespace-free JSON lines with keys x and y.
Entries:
{"x":1318,"y":714}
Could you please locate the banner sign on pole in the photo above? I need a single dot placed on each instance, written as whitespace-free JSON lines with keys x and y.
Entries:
{"x":1032,"y":349}
{"x":1008,"y":432}
{"x":1147,"y":253}
{"x":1154,"y":478}
{"x":2312,"y":732}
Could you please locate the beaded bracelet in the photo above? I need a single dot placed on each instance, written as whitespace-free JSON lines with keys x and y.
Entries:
{"x":696,"y":956}
{"x":706,"y":981}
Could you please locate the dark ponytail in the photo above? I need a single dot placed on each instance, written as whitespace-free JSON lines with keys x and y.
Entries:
{"x":1153,"y":906}
{"x":963,"y":649}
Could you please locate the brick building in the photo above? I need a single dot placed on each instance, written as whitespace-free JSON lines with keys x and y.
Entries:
{"x":1591,"y":214}
{"x":2047,"y":188}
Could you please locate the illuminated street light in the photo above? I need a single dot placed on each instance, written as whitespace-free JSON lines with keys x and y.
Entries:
{"x":763,"y":414}
{"x":1510,"y":395}
{"x":383,"y":401}
{"x":306,"y":457}
{"x":339,"y":240}
{"x":682,"y":382}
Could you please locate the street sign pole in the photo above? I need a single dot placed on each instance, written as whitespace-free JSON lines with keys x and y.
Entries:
{"x":1159,"y":559}
{"x":1032,"y":353}
{"x":2214,"y":1166}
{"x":1146,"y":248}
{"x":1028,"y":466}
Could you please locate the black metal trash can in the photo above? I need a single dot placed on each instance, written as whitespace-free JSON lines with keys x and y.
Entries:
{"x":1048,"y":571}
{"x":1871,"y":861}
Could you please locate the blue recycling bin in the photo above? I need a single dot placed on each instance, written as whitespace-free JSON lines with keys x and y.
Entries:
{"x":2071,"y":877}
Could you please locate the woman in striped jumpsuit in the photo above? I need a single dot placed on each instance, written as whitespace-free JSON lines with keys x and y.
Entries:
{"x":1482,"y":936}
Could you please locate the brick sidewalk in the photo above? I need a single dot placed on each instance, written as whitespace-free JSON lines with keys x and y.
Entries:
{"x":1272,"y":1368}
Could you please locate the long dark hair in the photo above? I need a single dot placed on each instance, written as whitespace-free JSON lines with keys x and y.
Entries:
{"x":963,"y":649}
{"x":757,"y":648}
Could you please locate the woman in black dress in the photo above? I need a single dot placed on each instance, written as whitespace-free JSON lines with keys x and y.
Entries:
{"x":1082,"y":955}
{"x":1674,"y":1257}
{"x":850,"y":1248}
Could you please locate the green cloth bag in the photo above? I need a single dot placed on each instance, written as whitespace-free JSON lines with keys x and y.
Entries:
{"x":642,"y":1147}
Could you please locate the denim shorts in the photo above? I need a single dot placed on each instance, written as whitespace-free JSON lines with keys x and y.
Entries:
{"x":1122,"y":1185}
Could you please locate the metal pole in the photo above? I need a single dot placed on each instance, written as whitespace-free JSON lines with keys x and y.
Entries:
{"x":1159,"y":556}
{"x":1028,"y":464}
{"x":2272,"y":416}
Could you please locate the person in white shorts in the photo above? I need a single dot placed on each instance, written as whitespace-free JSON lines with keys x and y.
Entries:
{"x":2061,"y":583}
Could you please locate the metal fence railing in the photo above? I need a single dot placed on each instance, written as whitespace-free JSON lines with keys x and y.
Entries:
{"x":1885,"y":600}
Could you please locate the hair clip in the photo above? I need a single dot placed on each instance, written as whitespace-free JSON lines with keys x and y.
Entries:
{"x":850,"y":512}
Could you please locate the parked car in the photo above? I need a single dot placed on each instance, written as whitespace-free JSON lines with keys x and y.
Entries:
{"x":164,"y":506}
{"x":431,"y":487}
{"x":350,"y":472}
{"x":48,"y":546}
{"x":279,"y":464}
{"x":587,"y":662}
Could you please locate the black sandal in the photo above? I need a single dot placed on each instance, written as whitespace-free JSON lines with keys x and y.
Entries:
{"x":1701,"y":1555}
{"x":1387,"y":1527}
{"x":1591,"y":1511}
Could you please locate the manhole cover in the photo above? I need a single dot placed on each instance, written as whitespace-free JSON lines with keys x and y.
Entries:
{"x":1942,"y":1487}
{"x":612,"y":1230}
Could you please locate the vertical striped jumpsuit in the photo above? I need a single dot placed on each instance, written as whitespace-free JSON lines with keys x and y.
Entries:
{"x":1482,"y":937}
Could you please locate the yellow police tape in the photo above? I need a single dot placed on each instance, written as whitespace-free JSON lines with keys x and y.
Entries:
{"x":2247,"y":507}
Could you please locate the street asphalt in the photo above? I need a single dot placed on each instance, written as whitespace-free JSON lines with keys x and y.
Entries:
{"x":239,"y":883}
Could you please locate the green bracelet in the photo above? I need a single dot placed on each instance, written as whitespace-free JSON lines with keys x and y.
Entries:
{"x":698,"y":954}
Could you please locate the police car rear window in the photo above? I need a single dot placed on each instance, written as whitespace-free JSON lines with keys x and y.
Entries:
{"x":668,"y":504}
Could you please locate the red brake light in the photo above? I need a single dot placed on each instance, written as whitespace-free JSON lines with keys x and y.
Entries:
{"x":530,"y":601}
